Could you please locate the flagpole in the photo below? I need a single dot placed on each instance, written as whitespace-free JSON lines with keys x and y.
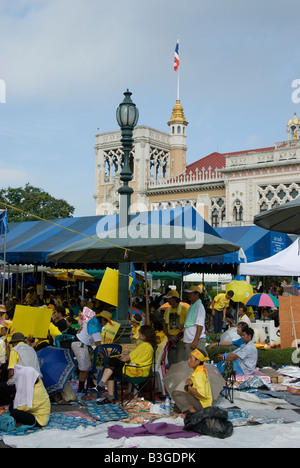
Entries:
{"x":178,"y":85}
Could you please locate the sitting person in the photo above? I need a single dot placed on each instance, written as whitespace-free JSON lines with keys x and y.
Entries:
{"x":59,"y":318}
{"x":245,"y":357}
{"x":31,"y":405}
{"x":241,"y":327}
{"x":243,"y":316}
{"x":21,"y":353}
{"x":141,"y":357}
{"x":197,"y":394}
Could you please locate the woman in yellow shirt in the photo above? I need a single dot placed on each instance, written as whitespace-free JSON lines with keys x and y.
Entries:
{"x":31,"y":405}
{"x":141,"y":357}
{"x":197,"y":394}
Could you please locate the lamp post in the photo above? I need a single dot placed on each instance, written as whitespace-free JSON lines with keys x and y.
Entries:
{"x":127,"y":116}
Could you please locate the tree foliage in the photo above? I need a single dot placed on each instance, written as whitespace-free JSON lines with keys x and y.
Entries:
{"x":33,"y":201}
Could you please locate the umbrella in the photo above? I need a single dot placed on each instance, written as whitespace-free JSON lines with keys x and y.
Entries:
{"x":141,"y":244}
{"x":178,"y":373}
{"x":263,"y":300}
{"x":241,"y":289}
{"x":70,"y":275}
{"x":284,"y":218}
{"x":56,"y":365}
{"x":146,"y":242}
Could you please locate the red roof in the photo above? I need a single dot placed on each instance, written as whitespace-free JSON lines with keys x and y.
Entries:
{"x":218,"y":160}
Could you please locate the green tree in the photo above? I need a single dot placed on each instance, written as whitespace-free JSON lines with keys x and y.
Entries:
{"x":33,"y":201}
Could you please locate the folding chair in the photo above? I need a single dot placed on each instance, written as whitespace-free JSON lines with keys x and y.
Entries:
{"x":106,"y":351}
{"x":63,"y":341}
{"x":139,"y":383}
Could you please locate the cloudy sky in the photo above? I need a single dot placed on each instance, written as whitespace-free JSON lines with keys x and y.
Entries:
{"x":66,"y":64}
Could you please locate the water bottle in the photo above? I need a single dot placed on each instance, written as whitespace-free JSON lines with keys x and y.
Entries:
{"x":168,"y":406}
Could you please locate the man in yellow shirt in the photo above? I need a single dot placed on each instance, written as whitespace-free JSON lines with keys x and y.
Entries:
{"x":219,"y":305}
{"x":174,"y":318}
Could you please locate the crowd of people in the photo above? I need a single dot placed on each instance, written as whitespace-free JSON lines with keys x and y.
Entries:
{"x":183,"y":326}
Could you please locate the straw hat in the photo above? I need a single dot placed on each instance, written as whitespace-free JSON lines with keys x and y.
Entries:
{"x":106,"y":315}
{"x":193,"y":289}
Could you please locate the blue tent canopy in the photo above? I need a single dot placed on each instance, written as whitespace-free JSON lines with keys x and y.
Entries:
{"x":257,"y":244}
{"x":30,"y":242}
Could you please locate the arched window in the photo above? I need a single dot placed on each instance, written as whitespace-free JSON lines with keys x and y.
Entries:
{"x":238,"y":211}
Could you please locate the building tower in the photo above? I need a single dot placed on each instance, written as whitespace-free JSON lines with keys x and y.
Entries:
{"x":177,"y":140}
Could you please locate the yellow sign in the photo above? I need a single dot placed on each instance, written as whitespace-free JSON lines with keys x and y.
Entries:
{"x":33,"y":321}
{"x":108,"y":333}
{"x":109,"y":288}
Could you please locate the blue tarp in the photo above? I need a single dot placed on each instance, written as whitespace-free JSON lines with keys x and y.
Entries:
{"x":30,"y":242}
{"x":257,"y":244}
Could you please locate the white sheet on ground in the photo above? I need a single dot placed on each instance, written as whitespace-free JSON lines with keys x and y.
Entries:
{"x":260,"y":436}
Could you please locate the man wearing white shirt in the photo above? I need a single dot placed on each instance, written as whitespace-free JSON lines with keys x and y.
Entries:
{"x":194,"y":327}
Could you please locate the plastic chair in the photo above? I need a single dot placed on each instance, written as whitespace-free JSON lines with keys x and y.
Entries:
{"x":106,"y":351}
{"x":139,"y":383}
{"x":63,"y":341}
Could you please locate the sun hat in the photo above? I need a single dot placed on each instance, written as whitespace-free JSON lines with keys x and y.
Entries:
{"x":193,"y":289}
{"x":172,"y":293}
{"x":17,"y":337}
{"x":106,"y":315}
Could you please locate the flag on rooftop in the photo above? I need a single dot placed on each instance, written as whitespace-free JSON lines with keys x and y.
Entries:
{"x":176,"y":56}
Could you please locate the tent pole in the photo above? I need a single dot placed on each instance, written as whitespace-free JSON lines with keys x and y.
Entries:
{"x":146,"y":292}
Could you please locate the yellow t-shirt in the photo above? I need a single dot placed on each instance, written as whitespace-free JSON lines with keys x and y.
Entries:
{"x":41,"y":406}
{"x":141,"y":355}
{"x":13,"y":359}
{"x":221,"y":302}
{"x":175,"y":316}
{"x":202,"y":385}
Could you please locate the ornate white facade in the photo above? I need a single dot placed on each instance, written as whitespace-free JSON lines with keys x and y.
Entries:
{"x":227,"y":189}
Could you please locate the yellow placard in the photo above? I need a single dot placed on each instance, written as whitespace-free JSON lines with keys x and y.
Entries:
{"x":109,"y":288}
{"x":108,"y":333}
{"x":33,"y":321}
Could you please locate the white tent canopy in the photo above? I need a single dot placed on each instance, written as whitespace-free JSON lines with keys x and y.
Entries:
{"x":284,"y":263}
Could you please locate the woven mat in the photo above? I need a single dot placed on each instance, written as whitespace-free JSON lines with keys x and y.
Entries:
{"x":105,"y":413}
{"x":60,"y":421}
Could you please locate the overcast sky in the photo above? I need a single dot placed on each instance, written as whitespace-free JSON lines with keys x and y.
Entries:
{"x":66,"y":64}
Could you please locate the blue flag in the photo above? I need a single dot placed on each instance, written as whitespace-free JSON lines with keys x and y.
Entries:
{"x":3,"y":221}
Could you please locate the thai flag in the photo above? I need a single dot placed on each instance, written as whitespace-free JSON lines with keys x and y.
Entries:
{"x":176,"y":56}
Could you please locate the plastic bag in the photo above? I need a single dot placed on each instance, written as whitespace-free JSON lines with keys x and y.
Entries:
{"x":209,"y":421}
{"x":7,"y":423}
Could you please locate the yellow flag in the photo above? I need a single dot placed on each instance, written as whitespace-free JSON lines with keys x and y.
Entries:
{"x":109,"y":287}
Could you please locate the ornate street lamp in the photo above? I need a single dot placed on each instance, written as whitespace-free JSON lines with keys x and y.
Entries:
{"x":127,"y":116}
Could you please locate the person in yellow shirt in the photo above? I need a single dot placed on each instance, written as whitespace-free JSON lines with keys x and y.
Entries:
{"x":31,"y":405}
{"x":141,"y":357}
{"x":174,"y":318}
{"x":219,"y":306}
{"x":197,"y":394}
